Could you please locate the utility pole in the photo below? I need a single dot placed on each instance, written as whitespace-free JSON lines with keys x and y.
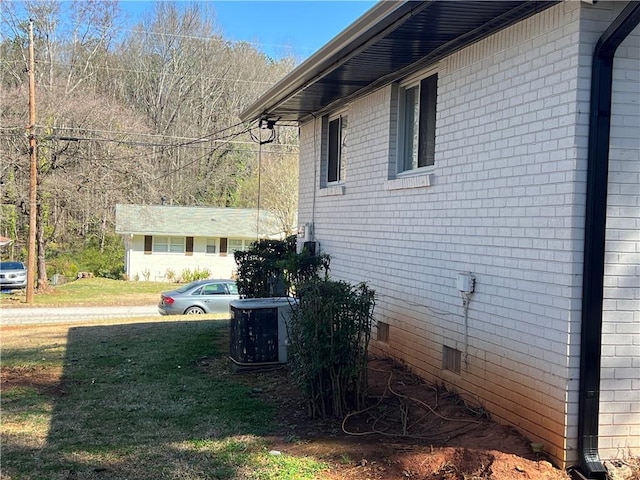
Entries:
{"x":33,"y":197}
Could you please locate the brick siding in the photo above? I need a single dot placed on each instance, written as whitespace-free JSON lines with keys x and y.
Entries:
{"x":505,"y":202}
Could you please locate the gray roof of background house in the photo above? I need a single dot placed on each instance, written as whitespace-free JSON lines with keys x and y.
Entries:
{"x":391,"y":40}
{"x":195,"y":221}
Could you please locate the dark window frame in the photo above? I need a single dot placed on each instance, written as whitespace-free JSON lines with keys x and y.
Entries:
{"x":189,"y":246}
{"x":148,"y":244}
{"x":334,"y":149}
{"x":417,"y":115}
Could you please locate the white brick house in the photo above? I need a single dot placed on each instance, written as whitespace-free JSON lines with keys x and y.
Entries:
{"x":163,"y":241}
{"x":443,"y":143}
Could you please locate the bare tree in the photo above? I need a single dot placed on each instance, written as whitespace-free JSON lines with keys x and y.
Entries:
{"x":153,"y":114}
{"x":272,"y":183}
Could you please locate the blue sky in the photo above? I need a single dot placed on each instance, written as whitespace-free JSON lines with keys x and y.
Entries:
{"x":278,"y":27}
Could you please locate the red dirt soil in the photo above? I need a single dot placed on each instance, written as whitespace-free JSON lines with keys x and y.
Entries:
{"x":411,"y":431}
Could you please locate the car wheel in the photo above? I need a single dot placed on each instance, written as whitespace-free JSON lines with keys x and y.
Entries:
{"x":194,"y":311}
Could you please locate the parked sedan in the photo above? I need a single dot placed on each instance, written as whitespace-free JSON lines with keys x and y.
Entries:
{"x":201,"y":296}
{"x":13,"y":275}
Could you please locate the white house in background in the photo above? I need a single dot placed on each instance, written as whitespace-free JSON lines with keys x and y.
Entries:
{"x":163,"y":241}
{"x":478,"y":164}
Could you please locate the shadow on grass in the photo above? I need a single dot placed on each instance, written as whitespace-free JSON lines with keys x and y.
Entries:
{"x":135,"y":402}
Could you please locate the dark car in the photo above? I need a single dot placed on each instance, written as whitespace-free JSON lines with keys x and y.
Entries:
{"x":13,"y":275}
{"x":201,"y":296}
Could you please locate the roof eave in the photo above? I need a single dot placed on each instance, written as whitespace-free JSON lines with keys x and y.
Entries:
{"x":358,"y":34}
{"x":335,"y":75}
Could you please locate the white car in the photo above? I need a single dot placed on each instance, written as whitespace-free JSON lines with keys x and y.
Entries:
{"x":13,"y":275}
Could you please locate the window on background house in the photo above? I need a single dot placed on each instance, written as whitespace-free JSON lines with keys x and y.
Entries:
{"x":211,"y":245}
{"x":177,"y":244}
{"x":169,"y":244}
{"x":417,"y":124}
{"x":148,"y":244}
{"x":160,"y":244}
{"x":237,"y":245}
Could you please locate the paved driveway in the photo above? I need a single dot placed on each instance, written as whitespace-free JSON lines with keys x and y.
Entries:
{"x":18,"y":316}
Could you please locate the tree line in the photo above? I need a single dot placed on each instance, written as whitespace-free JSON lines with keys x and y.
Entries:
{"x":146,"y":114}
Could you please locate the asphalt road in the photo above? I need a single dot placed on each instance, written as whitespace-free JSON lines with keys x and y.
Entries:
{"x":19,"y":316}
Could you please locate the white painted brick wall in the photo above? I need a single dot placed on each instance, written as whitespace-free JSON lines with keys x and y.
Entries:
{"x":506,"y":203}
{"x":619,"y":434}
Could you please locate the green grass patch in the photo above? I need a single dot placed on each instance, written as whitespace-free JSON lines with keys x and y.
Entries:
{"x":135,"y":402}
{"x":94,"y":291}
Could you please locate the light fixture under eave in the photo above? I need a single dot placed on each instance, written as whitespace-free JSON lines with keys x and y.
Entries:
{"x":267,"y":123}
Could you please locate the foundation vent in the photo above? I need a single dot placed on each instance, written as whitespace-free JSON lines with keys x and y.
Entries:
{"x":383,"y":332}
{"x":451,"y":359}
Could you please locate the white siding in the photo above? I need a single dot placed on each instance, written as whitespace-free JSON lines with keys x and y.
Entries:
{"x":157,"y":266}
{"x":619,"y":434}
{"x":506,"y":202}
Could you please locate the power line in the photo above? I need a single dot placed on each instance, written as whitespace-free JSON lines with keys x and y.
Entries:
{"x":164,"y":148}
{"x":150,"y":72}
{"x":194,"y":142}
{"x":214,"y":137}
{"x":213,"y":38}
{"x":141,"y":134}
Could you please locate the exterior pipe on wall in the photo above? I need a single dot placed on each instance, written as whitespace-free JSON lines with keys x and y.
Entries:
{"x":594,"y":243}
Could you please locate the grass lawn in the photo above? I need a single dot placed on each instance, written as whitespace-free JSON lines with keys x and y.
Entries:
{"x":93,"y":291}
{"x":133,"y":401}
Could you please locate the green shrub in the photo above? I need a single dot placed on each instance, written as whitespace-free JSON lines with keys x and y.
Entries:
{"x":272,"y":268}
{"x":64,"y":266}
{"x":329,"y":331}
{"x":171,"y":275}
{"x":260,"y":272}
{"x":329,"y":336}
{"x":188,"y":275}
{"x":103,"y":260}
{"x":304,"y":267}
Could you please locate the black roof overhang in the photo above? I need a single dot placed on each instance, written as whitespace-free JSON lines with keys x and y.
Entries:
{"x":391,"y":40}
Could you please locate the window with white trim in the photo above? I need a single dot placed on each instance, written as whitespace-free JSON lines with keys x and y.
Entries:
{"x":212,"y":246}
{"x":337,"y":149}
{"x":168,"y":244}
{"x":334,"y":151}
{"x":238,"y":245}
{"x":417,"y":124}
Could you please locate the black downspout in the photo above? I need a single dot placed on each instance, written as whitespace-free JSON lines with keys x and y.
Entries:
{"x":594,"y":240}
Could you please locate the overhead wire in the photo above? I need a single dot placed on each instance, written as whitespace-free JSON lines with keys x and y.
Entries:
{"x":213,"y":38}
{"x":199,"y":158}
{"x":166,"y":174}
{"x":221,"y":141}
{"x":151,"y":72}
{"x":163,"y":148}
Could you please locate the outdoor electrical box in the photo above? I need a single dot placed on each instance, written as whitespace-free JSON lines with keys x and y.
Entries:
{"x":465,"y":282}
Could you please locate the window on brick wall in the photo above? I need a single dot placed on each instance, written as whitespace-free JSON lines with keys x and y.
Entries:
{"x":168,"y":244}
{"x":417,"y":124}
{"x":334,"y":149}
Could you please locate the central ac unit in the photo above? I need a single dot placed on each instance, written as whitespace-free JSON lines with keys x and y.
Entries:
{"x":258,"y":330}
